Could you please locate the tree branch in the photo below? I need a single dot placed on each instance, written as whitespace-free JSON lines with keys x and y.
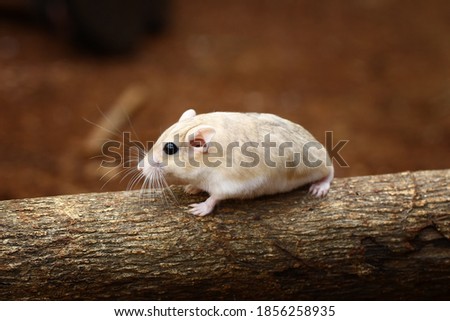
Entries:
{"x":373,"y":237}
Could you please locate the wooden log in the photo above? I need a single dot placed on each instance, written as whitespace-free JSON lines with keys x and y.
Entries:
{"x":374,"y":237}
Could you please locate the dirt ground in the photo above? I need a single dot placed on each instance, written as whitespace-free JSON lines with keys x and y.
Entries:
{"x":376,"y":73}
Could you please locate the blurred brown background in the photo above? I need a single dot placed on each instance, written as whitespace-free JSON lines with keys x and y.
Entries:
{"x":376,"y":73}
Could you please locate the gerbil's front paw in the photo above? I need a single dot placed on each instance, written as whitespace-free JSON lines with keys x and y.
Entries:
{"x":201,"y":209}
{"x":319,"y":189}
{"x":190,"y":189}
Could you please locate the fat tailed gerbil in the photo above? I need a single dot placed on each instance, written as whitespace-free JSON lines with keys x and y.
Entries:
{"x":237,"y":155}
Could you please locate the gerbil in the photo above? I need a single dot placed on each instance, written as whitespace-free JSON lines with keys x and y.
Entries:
{"x":237,"y":155}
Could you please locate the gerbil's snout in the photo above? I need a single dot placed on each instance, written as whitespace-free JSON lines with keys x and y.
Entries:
{"x":154,"y":179}
{"x":148,"y":162}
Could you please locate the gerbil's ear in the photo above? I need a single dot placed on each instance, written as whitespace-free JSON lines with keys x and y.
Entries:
{"x":201,"y":138}
{"x":188,"y":114}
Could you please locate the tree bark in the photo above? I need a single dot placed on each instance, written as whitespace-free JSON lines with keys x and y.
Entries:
{"x":374,"y":237}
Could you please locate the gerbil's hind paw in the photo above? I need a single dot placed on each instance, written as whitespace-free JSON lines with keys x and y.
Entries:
{"x":319,"y":189}
{"x":190,"y":189}
{"x":201,"y":209}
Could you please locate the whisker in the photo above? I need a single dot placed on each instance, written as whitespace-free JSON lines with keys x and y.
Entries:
{"x":154,"y":186}
{"x":131,"y":126}
{"x":97,"y":156}
{"x":134,"y":180}
{"x":112,"y":177}
{"x":109,"y":131}
{"x":108,"y":119}
{"x":128,"y":172}
{"x":109,"y":171}
{"x":144,"y":190}
{"x":171,"y":193}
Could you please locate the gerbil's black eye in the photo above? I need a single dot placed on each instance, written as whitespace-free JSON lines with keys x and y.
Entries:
{"x":170,"y":148}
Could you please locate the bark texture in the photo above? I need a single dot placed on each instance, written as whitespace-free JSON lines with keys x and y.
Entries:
{"x":374,"y":237}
